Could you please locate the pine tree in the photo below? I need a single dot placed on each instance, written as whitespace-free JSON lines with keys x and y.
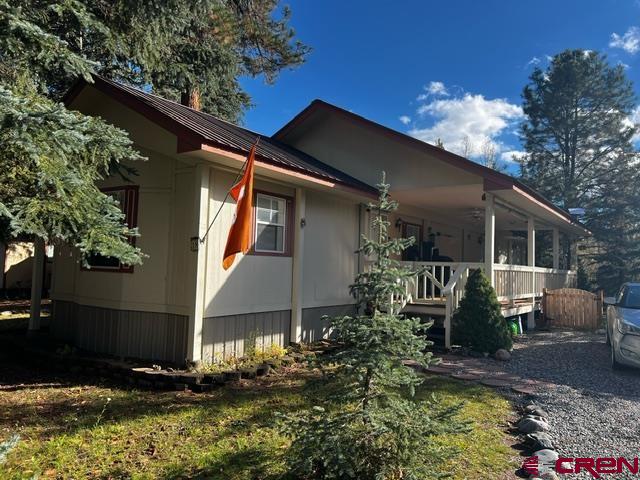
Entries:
{"x":478,"y":323}
{"x":371,"y":425}
{"x":578,"y":138}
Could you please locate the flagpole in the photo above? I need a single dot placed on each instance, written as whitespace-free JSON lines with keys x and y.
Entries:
{"x":226,"y":197}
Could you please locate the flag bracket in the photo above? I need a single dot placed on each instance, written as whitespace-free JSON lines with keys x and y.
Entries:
{"x":224,"y":201}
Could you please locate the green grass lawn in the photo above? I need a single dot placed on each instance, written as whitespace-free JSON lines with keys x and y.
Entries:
{"x":75,"y":431}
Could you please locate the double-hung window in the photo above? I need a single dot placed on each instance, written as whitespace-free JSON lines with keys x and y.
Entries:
{"x":127,"y":198}
{"x":271,"y":214}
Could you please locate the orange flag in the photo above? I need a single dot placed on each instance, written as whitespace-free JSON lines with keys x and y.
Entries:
{"x":239,"y":239}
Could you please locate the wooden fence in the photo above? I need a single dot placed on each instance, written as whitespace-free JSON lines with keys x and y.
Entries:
{"x":572,"y":308}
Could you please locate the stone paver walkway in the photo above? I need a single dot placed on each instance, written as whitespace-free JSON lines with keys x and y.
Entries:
{"x":486,"y":371}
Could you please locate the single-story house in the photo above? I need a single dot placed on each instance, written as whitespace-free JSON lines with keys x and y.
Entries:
{"x":314,"y":180}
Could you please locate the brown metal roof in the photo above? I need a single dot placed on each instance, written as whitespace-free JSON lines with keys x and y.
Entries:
{"x":204,"y":128}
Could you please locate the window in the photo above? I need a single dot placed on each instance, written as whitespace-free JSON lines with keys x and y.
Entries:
{"x":127,"y":198}
{"x":630,"y":297}
{"x":271,"y":224}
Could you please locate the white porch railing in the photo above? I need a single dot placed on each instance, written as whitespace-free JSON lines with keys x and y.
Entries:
{"x":439,"y":283}
{"x":514,"y":282}
{"x":443,"y":283}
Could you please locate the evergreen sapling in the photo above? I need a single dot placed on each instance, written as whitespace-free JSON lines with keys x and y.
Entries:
{"x":370,"y":424}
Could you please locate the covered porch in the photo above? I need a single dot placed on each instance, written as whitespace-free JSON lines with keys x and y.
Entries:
{"x":522,"y":244}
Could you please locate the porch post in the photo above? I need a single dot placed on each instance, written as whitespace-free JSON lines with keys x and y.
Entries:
{"x":298,"y":254}
{"x":531,"y":262}
{"x":37,"y":272}
{"x":489,"y":236}
{"x":202,"y":175}
{"x":556,"y":248}
{"x":573,"y":254}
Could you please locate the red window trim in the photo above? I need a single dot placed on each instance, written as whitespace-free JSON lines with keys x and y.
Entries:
{"x":131,"y":217}
{"x":289,"y":232}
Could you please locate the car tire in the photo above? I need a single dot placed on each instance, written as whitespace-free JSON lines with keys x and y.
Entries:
{"x":615,"y":365}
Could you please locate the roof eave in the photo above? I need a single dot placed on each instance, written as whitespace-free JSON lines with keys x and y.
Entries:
{"x":497,"y":179}
{"x":187,"y":139}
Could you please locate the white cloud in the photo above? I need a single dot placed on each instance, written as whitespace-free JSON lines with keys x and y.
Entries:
{"x":437,"y":88}
{"x":405,"y":119}
{"x":629,"y":42}
{"x":511,"y":156}
{"x":633,"y":120}
{"x":467,"y":123}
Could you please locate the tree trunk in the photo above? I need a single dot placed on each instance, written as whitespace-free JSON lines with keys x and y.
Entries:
{"x":191,"y":98}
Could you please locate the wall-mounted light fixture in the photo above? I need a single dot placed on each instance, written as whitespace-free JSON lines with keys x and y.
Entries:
{"x":303,"y":222}
{"x":194,"y":243}
{"x":399,"y":223}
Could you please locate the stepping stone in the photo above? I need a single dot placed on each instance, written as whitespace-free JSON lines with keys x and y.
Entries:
{"x":451,"y":364}
{"x":528,"y":381}
{"x":509,"y":378}
{"x":481,"y":373}
{"x":524,"y":389}
{"x":495,"y":382}
{"x":465,"y":376}
{"x":411,"y":363}
{"x":438,"y":370}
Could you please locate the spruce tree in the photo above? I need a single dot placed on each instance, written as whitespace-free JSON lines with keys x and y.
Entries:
{"x":51,"y":157}
{"x":370,"y":424}
{"x":478,"y":323}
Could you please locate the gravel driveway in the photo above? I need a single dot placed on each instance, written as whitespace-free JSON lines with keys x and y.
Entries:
{"x":594,"y":411}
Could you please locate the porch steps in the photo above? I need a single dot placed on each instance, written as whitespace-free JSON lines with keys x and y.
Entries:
{"x":437,"y":331}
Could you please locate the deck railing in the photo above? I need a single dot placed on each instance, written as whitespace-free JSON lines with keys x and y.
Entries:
{"x":516,"y":282}
{"x":443,"y":283}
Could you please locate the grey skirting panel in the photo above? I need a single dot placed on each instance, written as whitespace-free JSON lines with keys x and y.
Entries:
{"x":229,"y":335}
{"x":123,"y":333}
{"x":314,"y":328}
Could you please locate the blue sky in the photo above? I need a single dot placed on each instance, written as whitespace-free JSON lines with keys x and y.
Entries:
{"x":448,"y":69}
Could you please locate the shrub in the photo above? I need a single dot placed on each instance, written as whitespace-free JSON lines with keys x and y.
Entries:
{"x":478,"y":323}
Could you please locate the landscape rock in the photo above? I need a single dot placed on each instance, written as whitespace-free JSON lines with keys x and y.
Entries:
{"x":531,"y":424}
{"x":502,"y":355}
{"x":546,"y":461}
{"x":536,"y":410}
{"x":546,"y":476}
{"x":248,"y":373}
{"x":539,"y":441}
{"x":231,"y":376}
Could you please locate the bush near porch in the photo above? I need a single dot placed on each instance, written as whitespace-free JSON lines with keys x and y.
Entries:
{"x":75,"y":431}
{"x":478,"y":323}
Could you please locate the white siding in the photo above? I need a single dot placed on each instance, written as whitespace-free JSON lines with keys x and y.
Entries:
{"x":160,"y":284}
{"x":254,"y":283}
{"x":331,"y":239}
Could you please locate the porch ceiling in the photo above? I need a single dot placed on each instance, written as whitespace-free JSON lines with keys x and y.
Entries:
{"x":444,"y":197}
{"x":460,"y":205}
